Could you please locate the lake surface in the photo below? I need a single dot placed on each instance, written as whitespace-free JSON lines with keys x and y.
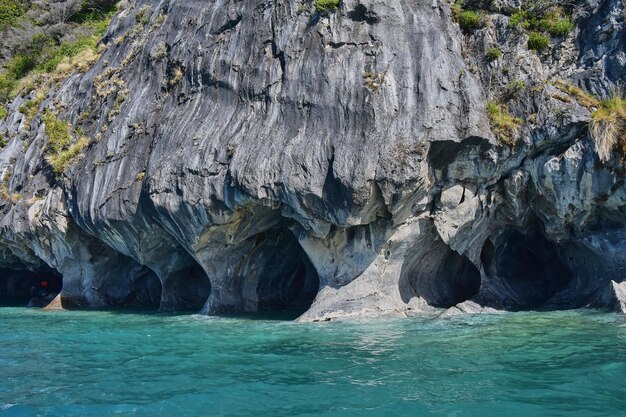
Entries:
{"x":104,"y":363}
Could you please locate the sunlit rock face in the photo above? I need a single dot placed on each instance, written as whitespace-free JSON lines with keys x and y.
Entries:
{"x":257,"y":156}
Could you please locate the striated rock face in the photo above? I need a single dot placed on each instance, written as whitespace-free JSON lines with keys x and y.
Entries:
{"x":251,"y":156}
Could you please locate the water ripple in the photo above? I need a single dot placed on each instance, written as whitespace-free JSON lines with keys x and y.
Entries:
{"x":103,"y":364}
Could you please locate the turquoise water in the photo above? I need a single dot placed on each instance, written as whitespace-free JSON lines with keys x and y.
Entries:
{"x":103,"y":364}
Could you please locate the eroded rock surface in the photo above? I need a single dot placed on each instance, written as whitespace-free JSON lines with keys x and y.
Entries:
{"x":251,"y":156}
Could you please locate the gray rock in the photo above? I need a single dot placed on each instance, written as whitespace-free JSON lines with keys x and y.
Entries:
{"x":620,"y":295}
{"x":341,"y":165}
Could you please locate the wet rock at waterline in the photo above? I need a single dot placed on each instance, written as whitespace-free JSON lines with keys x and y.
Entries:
{"x":249,"y":157}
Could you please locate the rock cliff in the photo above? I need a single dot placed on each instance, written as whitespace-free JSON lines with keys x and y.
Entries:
{"x":249,"y":156}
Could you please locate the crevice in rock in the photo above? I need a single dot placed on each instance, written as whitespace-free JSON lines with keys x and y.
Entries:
{"x":229,"y":25}
{"x":336,"y":194}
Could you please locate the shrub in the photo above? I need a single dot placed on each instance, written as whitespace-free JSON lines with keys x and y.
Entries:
{"x":3,"y":141}
{"x":3,"y":112}
{"x":142,"y":15}
{"x":561,"y":28}
{"x":30,"y":54}
{"x":67,"y":50}
{"x":469,"y":20}
{"x":515,"y":87}
{"x":7,"y":83}
{"x":546,"y":18}
{"x":457,"y":9}
{"x":21,"y":64}
{"x":61,"y":161}
{"x":58,"y":134}
{"x":60,"y":151}
{"x":608,"y":125}
{"x":323,"y":6}
{"x":555,"y":25}
{"x":94,"y":11}
{"x":538,"y":41}
{"x":493,"y":53}
{"x":517,"y":18}
{"x":502,"y":123}
{"x":31,"y":107}
{"x":27,"y":107}
{"x":43,"y":53}
{"x":10,"y":10}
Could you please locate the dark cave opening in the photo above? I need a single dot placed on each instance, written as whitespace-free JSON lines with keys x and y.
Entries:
{"x":440,"y":275}
{"x":277,"y":276}
{"x":146,"y":291}
{"x":22,"y":287}
{"x":186,"y":289}
{"x":524,"y":270}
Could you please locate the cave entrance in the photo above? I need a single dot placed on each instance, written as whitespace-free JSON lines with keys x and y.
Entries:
{"x":21,"y":288}
{"x":185,"y":289}
{"x":525,"y":270}
{"x":146,"y":291}
{"x":277,"y":276}
{"x":439,"y":275}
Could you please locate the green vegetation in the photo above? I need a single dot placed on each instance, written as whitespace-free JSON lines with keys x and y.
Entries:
{"x":61,"y":151}
{"x":502,"y":123}
{"x":142,"y":15}
{"x":31,"y":107}
{"x":10,"y":11}
{"x":556,"y":25}
{"x":67,"y":50}
{"x":550,"y":20}
{"x":518,"y":19}
{"x":493,"y":53}
{"x":323,"y":6}
{"x":4,"y":184}
{"x":61,"y":161}
{"x":515,"y":87}
{"x":469,"y":20}
{"x":538,"y":41}
{"x":58,"y":133}
{"x":542,"y":18}
{"x":3,"y":141}
{"x":47,"y":54}
{"x":608,"y":125}
{"x":3,"y":112}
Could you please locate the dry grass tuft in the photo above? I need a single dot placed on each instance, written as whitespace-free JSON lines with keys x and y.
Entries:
{"x":584,"y":99}
{"x":502,"y":123}
{"x":608,"y":125}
